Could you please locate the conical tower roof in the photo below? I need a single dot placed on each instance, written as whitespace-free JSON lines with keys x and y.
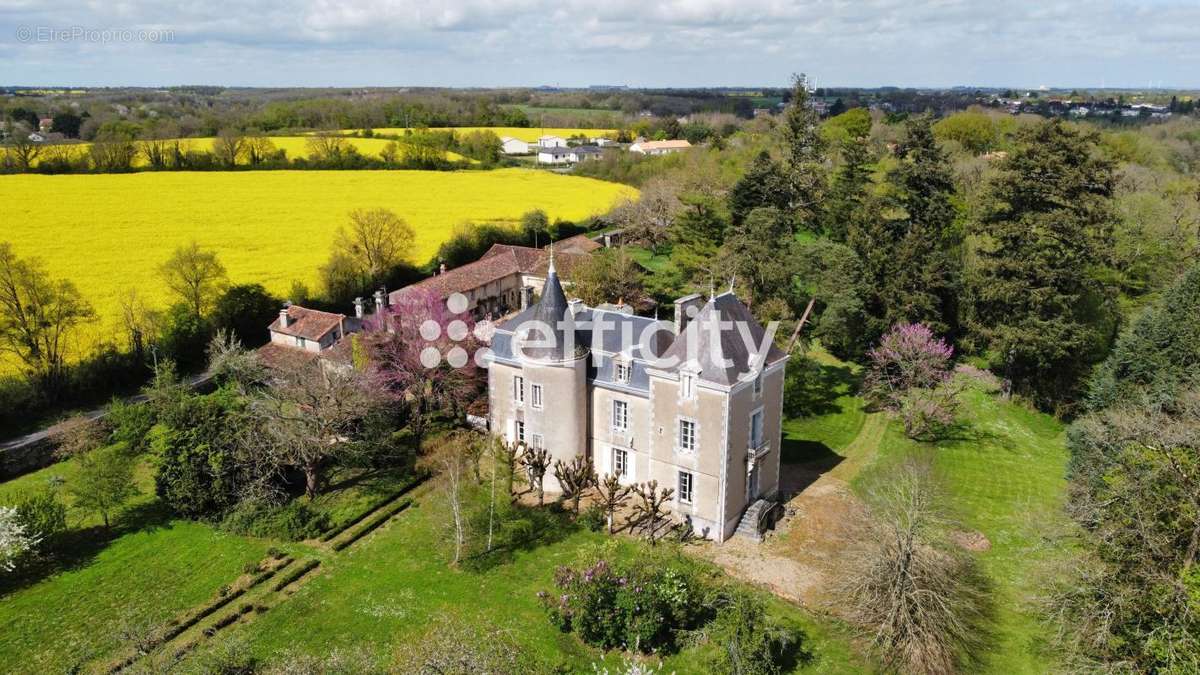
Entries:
{"x":549,"y":334}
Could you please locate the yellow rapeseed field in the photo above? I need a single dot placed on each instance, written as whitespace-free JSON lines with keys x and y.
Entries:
{"x":295,"y":146}
{"x":524,"y":133}
{"x":109,"y":232}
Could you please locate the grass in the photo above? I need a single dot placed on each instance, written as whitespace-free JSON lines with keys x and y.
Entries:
{"x":387,"y":588}
{"x":109,"y":233}
{"x":1005,"y":475}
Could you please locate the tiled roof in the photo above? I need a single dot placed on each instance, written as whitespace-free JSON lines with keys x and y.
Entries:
{"x":310,"y":324}
{"x":664,"y":145}
{"x":504,"y":260}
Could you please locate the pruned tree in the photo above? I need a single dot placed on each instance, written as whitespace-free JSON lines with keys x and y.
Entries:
{"x":195,"y":275}
{"x":505,"y":456}
{"x":922,"y":600}
{"x":536,"y":462}
{"x":574,"y":478}
{"x":649,"y":510}
{"x":38,"y":315}
{"x":105,"y":481}
{"x":611,"y":496}
{"x":314,"y":414}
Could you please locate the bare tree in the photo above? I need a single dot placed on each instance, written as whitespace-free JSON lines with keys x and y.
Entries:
{"x":922,"y":599}
{"x":536,"y":461}
{"x":259,"y":148}
{"x":327,"y":147}
{"x":139,"y":320}
{"x":229,"y":146}
{"x":611,"y":496}
{"x":649,"y":511}
{"x":574,"y":477}
{"x":38,"y":315}
{"x":376,"y":241}
{"x":648,"y":220}
{"x":450,"y":460}
{"x":195,"y":275}
{"x":315,"y":413}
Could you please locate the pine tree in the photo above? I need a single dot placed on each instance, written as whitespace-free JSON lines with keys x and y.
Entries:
{"x":697,"y":235}
{"x":763,"y":185}
{"x":804,"y":164}
{"x":849,"y":189}
{"x":909,"y":242}
{"x":1039,"y":300}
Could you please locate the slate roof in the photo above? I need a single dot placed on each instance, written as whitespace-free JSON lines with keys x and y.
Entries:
{"x":553,"y":324}
{"x":703,"y":345}
{"x":310,"y":324}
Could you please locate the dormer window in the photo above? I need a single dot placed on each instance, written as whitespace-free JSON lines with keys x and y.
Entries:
{"x":758,"y":383}
{"x":621,"y":372}
{"x":687,"y":386}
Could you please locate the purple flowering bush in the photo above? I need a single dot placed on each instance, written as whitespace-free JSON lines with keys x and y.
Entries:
{"x":910,"y":373}
{"x":642,"y":606}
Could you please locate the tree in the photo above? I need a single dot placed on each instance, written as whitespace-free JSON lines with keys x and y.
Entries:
{"x":67,"y":124}
{"x":314,"y":415}
{"x":921,"y":599}
{"x":536,"y":461}
{"x":245,"y":311}
{"x":608,"y":275}
{"x":536,"y":226}
{"x":850,"y":187}
{"x":757,"y":252}
{"x":648,"y":511}
{"x":15,"y":539}
{"x":196,"y":276}
{"x":747,"y":640}
{"x":229,"y":146}
{"x":611,"y":496}
{"x":375,"y":243}
{"x":910,"y":373}
{"x":647,"y":221}
{"x":1039,"y":301}
{"x":38,"y":316}
{"x":115,"y":147}
{"x":910,"y":250}
{"x":506,"y":455}
{"x":697,"y":235}
{"x":105,"y":481}
{"x":327,"y":147}
{"x":975,"y":131}
{"x":764,"y":185}
{"x":451,"y":460}
{"x":201,"y":444}
{"x":22,"y":149}
{"x":258,"y":149}
{"x":804,"y":151}
{"x":831,"y":273}
{"x":574,"y":478}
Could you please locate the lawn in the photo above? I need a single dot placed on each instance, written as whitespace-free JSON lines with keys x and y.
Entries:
{"x":108,"y":233}
{"x":1005,"y":475}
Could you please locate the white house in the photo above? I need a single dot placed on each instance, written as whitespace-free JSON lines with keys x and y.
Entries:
{"x":602,"y":142}
{"x":659,"y":147}
{"x":513,"y":146}
{"x":555,"y":155}
{"x":582,"y":153}
{"x":551,"y":142}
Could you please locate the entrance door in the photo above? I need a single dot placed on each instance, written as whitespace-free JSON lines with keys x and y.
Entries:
{"x":752,"y":486}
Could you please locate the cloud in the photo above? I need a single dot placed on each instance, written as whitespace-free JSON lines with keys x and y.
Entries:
{"x":673,"y":42}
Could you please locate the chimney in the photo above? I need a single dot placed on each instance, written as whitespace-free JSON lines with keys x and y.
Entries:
{"x":576,"y":306}
{"x":442,"y":268}
{"x":686,"y":309}
{"x":358,"y":307}
{"x":526,"y":296}
{"x":284,"y":319}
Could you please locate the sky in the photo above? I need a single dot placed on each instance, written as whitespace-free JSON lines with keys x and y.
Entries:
{"x":572,"y":43}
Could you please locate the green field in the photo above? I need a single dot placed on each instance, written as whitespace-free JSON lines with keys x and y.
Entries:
{"x":108,"y":233}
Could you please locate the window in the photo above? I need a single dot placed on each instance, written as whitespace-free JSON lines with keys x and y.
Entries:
{"x":300,"y":342}
{"x":621,"y":372}
{"x":537,"y":441}
{"x":687,"y":435}
{"x":620,"y":462}
{"x":620,"y":415}
{"x":758,"y":383}
{"x":756,"y":429}
{"x":535,"y":393}
{"x":685,"y":487}
{"x":518,"y":389}
{"x":519,"y":431}
{"x":687,"y":385}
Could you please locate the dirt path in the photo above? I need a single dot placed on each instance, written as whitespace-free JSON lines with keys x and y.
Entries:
{"x":798,"y":560}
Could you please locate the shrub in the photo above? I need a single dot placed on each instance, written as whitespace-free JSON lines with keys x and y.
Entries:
{"x":594,"y":518}
{"x":295,"y":521}
{"x":746,"y":640}
{"x":643,"y":606}
{"x":44,"y":515}
{"x":131,"y":424}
